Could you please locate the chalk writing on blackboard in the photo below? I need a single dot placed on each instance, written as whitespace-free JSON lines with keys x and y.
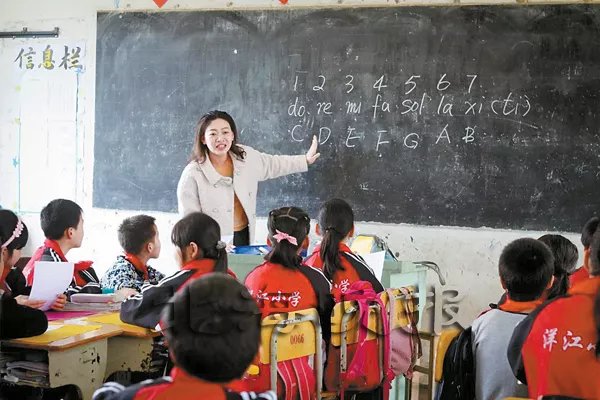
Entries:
{"x":414,"y":99}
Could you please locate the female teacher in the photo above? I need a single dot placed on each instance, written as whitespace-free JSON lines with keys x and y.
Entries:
{"x":222,"y":178}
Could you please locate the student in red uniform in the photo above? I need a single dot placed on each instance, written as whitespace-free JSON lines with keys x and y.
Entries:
{"x":12,"y":281}
{"x":565,"y":259}
{"x":62,"y":223}
{"x":343,"y":268}
{"x":199,"y":251}
{"x":339,"y":264}
{"x":17,"y":318}
{"x":283,"y":283}
{"x":586,"y":239}
{"x":555,"y":349}
{"x":212,"y":326}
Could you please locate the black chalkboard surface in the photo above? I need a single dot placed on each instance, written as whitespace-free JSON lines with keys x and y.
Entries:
{"x":470,"y":116}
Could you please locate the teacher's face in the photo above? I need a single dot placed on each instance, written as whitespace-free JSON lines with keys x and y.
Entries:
{"x":218,"y":137}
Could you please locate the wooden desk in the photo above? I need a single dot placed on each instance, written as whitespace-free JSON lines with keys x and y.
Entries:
{"x":131,"y":351}
{"x":79,"y":360}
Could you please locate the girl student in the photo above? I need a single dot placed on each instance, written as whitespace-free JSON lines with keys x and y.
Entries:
{"x":199,"y":251}
{"x":12,"y":281}
{"x":339,"y":264}
{"x":565,"y":262}
{"x":282,"y":284}
{"x":17,"y":319}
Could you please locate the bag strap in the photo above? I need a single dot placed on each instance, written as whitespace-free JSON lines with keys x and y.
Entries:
{"x":415,"y":338}
{"x":356,"y":365}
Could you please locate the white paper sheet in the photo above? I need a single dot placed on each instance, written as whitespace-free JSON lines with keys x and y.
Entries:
{"x":50,"y":280}
{"x":375,"y":261}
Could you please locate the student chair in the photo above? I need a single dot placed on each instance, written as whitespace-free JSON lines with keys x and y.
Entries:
{"x":291,"y":335}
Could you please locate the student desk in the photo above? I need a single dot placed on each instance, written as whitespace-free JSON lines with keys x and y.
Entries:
{"x":131,"y":350}
{"x":80,"y":359}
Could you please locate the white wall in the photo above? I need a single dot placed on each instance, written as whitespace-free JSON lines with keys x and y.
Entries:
{"x":47,"y":130}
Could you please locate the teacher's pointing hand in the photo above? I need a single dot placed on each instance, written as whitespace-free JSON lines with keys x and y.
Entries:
{"x":312,"y":155}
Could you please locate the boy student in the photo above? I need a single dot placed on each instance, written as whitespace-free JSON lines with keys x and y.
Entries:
{"x":62,"y":224}
{"x":586,"y":239}
{"x":200,"y":251}
{"x":138,"y":236}
{"x":212,"y":326}
{"x":556,"y":349}
{"x":525,"y":269}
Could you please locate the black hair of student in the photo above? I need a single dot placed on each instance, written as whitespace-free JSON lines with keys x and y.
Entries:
{"x":8,"y":223}
{"x":293,"y":221}
{"x":212,"y":326}
{"x":526,"y":267}
{"x":203,"y":230}
{"x":565,"y":261}
{"x":336,"y":220}
{"x":200,"y":150}
{"x":595,"y":271}
{"x":134,"y":232}
{"x":588,"y":231}
{"x":58,"y":216}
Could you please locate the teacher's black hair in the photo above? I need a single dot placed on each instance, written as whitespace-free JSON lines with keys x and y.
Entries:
{"x":200,"y":150}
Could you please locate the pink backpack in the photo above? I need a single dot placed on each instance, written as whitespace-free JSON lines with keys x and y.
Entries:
{"x":358,"y":369}
{"x":402,"y":345}
{"x":405,"y":343}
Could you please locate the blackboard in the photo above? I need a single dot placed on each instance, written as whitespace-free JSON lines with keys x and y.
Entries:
{"x":459,"y":116}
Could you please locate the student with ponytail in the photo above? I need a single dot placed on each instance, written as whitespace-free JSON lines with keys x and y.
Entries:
{"x":200,"y":251}
{"x":339,"y":264}
{"x":554,"y":350}
{"x":283,"y":284}
{"x":565,"y":260}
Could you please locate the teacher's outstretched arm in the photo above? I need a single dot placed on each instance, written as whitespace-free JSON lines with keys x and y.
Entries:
{"x":274,"y":166}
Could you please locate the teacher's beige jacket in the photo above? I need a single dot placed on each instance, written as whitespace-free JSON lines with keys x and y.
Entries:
{"x":202,"y":188}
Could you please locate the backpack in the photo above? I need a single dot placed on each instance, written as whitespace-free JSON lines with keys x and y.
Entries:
{"x":362,"y":372}
{"x":405,"y":343}
{"x":458,"y":374}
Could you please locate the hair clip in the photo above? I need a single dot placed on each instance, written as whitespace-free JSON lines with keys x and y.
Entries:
{"x":16,"y":233}
{"x":221,"y":245}
{"x":279,"y":236}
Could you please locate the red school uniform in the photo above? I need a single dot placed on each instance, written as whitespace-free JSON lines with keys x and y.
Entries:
{"x":578,"y":276}
{"x":144,"y":308}
{"x":179,"y":385}
{"x":279,"y":289}
{"x":554,"y":349}
{"x":354,"y":269}
{"x":85,"y":279}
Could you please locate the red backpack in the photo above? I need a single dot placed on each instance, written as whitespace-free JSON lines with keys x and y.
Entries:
{"x":401,"y":345}
{"x":363,"y":371}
